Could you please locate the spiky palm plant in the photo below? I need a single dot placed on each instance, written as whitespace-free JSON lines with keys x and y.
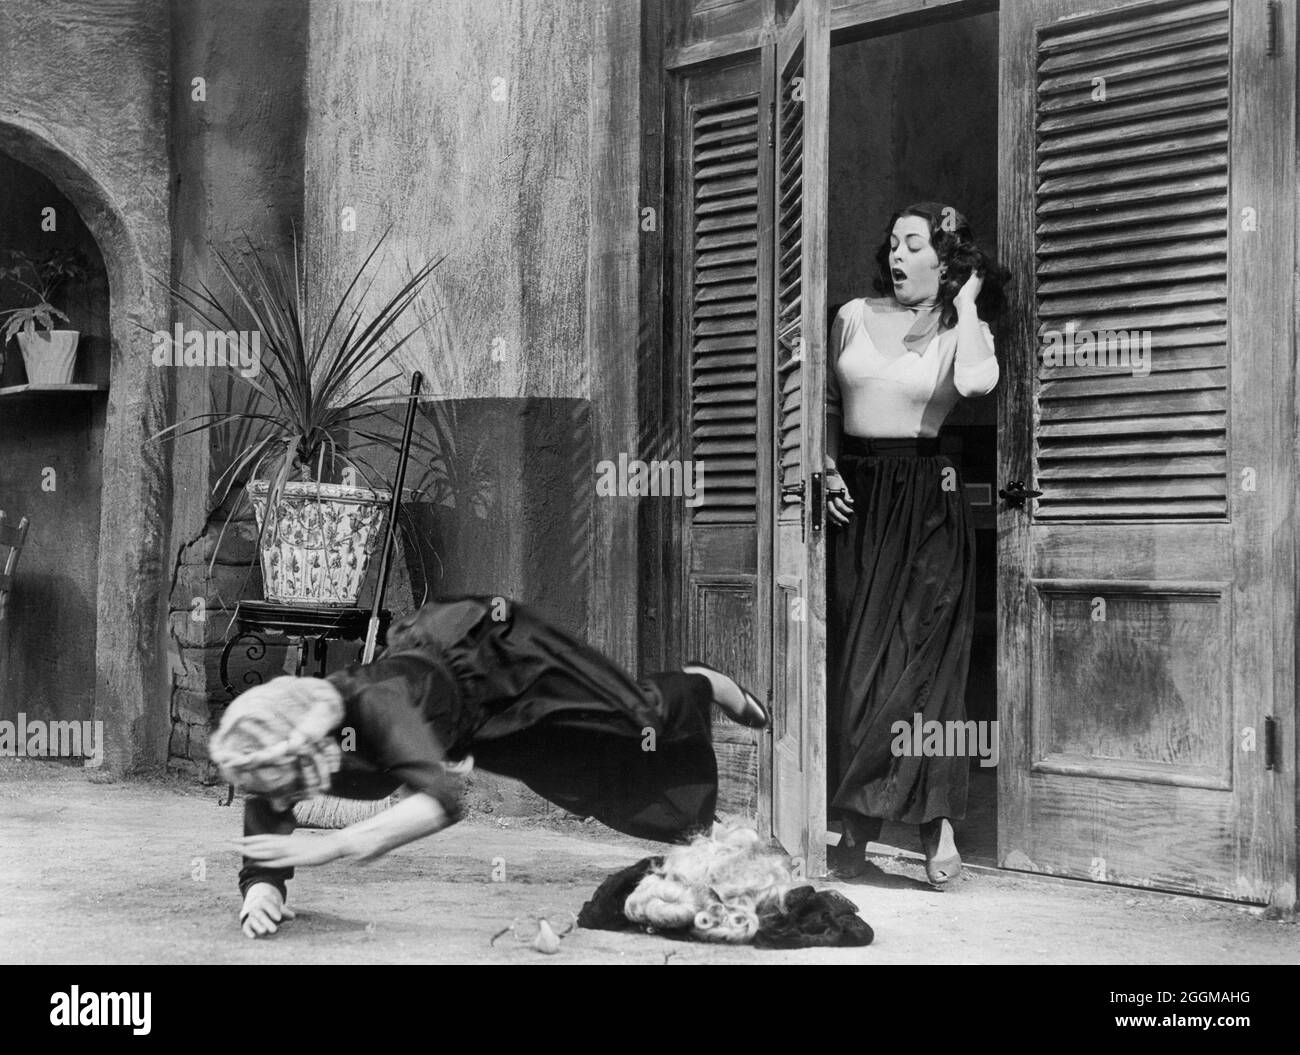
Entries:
{"x":317,"y":396}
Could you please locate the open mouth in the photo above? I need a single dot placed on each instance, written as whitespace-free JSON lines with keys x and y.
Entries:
{"x":898,"y":274}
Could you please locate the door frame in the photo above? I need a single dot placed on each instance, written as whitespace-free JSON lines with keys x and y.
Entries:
{"x":853,"y":20}
{"x":661,"y":631}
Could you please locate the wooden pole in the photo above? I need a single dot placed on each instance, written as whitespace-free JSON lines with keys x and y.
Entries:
{"x":390,"y":536}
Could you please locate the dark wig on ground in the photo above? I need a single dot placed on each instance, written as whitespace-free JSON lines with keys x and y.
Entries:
{"x":954,"y":242}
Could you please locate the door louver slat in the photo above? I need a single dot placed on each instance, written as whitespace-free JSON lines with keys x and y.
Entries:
{"x":789,"y":344}
{"x":1131,"y":249}
{"x":723,"y":223}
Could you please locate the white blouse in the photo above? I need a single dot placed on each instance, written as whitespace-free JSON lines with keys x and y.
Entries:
{"x":878,"y":388}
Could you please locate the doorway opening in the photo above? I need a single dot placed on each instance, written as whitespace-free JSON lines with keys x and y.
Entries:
{"x":914,"y":117}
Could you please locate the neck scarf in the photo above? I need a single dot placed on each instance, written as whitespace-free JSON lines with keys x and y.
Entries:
{"x":895,"y":334}
{"x":924,"y":327}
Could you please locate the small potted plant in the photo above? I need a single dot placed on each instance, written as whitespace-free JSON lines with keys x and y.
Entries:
{"x":308,"y":420}
{"x":49,"y":355}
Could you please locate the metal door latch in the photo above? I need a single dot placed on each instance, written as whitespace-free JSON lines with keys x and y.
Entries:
{"x":1015,"y":494}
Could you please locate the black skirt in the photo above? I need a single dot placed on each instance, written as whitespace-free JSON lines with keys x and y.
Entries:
{"x":901,"y":593}
{"x":531,"y":702}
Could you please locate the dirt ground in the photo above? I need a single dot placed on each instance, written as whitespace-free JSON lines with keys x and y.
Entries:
{"x":94,"y":870}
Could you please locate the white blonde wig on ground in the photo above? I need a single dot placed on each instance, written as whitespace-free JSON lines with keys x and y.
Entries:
{"x":719,"y":886}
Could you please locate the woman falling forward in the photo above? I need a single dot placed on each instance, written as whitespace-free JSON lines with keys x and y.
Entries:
{"x":482,"y":676}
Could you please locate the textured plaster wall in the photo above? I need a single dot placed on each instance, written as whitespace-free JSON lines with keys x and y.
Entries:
{"x":237,"y":154}
{"x":503,"y":136}
{"x":83,"y":98}
{"x":465,"y":128}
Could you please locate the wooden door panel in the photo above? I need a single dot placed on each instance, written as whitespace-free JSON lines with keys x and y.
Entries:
{"x":801,"y":124}
{"x":727,"y":625}
{"x":699,"y":23}
{"x":721,"y":267}
{"x":1128,"y":688}
{"x":1109,"y":550}
{"x":789,"y":778}
{"x":1136,"y":608}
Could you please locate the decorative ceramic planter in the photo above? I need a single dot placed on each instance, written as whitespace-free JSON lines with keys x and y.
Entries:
{"x":319,"y":541}
{"x":49,"y":355}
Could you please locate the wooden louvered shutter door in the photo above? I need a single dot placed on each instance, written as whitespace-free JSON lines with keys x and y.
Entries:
{"x":1147,"y":158}
{"x":801,"y":120}
{"x":718,"y":134}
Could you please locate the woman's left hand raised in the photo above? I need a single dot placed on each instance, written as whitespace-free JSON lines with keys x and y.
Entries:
{"x":970,"y":290}
{"x":290,"y":851}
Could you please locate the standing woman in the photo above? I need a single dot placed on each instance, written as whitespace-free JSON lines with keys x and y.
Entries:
{"x":902,"y":562}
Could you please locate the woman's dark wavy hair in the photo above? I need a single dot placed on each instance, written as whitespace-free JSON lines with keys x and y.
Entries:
{"x":954,"y":242}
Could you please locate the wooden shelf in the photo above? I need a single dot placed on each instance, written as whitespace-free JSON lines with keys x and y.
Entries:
{"x":23,"y":390}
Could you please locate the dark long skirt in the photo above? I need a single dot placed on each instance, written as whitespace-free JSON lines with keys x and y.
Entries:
{"x":548,"y":709}
{"x":901,"y":592}
{"x":665,"y":789}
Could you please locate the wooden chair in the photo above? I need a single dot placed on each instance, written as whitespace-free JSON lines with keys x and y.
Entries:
{"x":11,"y":539}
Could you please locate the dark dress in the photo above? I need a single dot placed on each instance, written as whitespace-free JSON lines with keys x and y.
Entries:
{"x":489,"y":677}
{"x":900,"y":620}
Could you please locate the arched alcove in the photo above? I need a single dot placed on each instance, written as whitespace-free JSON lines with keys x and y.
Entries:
{"x":132,"y":575}
{"x":51,"y":463}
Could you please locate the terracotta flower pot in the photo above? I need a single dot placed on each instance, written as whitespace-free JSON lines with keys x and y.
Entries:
{"x":49,"y":355}
{"x":319,"y":541}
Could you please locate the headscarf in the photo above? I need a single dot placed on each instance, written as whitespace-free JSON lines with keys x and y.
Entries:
{"x":275,"y":740}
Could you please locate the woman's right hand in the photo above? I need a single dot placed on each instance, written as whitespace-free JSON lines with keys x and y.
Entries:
{"x":839,"y":507}
{"x":264,"y":910}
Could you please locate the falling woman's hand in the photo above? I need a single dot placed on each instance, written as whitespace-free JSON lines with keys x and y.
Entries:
{"x":291,"y":851}
{"x":264,"y":910}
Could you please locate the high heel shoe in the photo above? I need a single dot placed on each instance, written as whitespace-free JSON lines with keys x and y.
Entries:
{"x":943,"y":869}
{"x":750,"y":712}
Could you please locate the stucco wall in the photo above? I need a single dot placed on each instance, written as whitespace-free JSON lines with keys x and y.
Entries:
{"x":237,"y":157}
{"x":503,"y":136}
{"x":465,"y":127}
{"x":83,"y":98}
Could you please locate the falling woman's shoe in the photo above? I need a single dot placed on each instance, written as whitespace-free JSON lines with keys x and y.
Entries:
{"x":748,"y":712}
{"x":939,"y":870}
